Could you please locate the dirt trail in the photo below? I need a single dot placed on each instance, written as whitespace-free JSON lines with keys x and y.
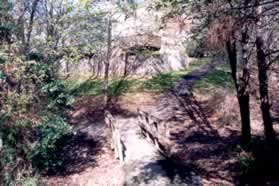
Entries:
{"x":143,"y":166}
{"x":194,"y":138}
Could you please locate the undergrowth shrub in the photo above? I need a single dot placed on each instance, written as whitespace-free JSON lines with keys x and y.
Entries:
{"x":28,"y":139}
{"x":17,"y":104}
{"x":51,"y":135}
{"x":28,"y":149}
{"x":58,"y":95}
{"x":17,"y":140}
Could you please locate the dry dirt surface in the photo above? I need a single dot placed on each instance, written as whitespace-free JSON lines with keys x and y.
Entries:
{"x":89,"y":159}
{"x":107,"y":171}
{"x":204,"y":130}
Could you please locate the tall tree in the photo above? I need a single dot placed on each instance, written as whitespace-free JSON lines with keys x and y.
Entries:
{"x":107,"y":62}
{"x":263,"y":66}
{"x":31,"y":22}
{"x":233,"y":23}
{"x":241,"y":82}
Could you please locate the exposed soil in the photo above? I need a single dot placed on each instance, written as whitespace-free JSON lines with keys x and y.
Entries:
{"x":205,"y":134}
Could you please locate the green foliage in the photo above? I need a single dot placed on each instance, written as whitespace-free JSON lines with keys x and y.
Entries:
{"x":16,"y":145}
{"x":22,"y":148}
{"x":58,"y":95}
{"x":29,"y":87}
{"x":21,"y":106}
{"x":39,"y":72}
{"x":218,"y":78}
{"x":119,"y":87}
{"x":168,"y":80}
{"x":31,"y":181}
{"x":18,"y":104}
{"x":3,"y":57}
{"x":88,"y":87}
{"x":95,"y":87}
{"x":2,"y":75}
{"x":162,"y":81}
{"x":147,"y":51}
{"x":86,"y":4}
{"x":3,"y":118}
{"x":36,"y":56}
{"x":29,"y":76}
{"x":51,"y":134}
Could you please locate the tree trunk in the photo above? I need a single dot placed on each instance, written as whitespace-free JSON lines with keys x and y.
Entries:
{"x":242,"y":93}
{"x":20,"y":24}
{"x":243,"y":101}
{"x":263,"y":77}
{"x":107,"y":64}
{"x":126,"y":64}
{"x":263,"y":89}
{"x":30,"y":27}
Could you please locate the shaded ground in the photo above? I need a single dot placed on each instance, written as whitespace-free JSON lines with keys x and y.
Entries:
{"x":202,"y":113}
{"x":78,"y":155}
{"x":199,"y":144}
{"x":89,"y":160}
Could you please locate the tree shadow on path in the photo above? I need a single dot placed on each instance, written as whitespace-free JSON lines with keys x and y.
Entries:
{"x":77,"y":155}
{"x":197,"y":144}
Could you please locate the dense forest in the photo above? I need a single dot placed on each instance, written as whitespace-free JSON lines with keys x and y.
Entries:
{"x":163,"y":92}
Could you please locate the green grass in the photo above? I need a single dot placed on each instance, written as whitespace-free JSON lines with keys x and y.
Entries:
{"x":165,"y":81}
{"x":121,"y":86}
{"x":95,"y":87}
{"x":118,"y":86}
{"x":83,"y":88}
{"x":162,"y":81}
{"x":218,"y":78}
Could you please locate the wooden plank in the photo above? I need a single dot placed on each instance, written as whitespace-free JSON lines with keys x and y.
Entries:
{"x":149,"y":126}
{"x":115,"y":137}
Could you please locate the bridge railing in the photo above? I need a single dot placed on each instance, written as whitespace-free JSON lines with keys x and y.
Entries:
{"x":116,"y":141}
{"x":155,"y":131}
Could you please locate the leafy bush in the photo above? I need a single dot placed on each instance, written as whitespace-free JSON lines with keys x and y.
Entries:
{"x":3,"y":57}
{"x":27,"y":141}
{"x":17,"y":104}
{"x":51,"y":134}
{"x":2,"y":75}
{"x":40,"y":72}
{"x":19,"y":84}
{"x":36,"y":56}
{"x":58,"y":95}
{"x":23,"y":152}
{"x":16,"y":143}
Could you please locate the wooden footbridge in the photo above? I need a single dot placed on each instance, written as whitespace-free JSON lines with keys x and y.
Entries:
{"x":140,"y":143}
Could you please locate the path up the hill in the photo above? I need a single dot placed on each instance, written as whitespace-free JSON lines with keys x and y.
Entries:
{"x":143,"y":165}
